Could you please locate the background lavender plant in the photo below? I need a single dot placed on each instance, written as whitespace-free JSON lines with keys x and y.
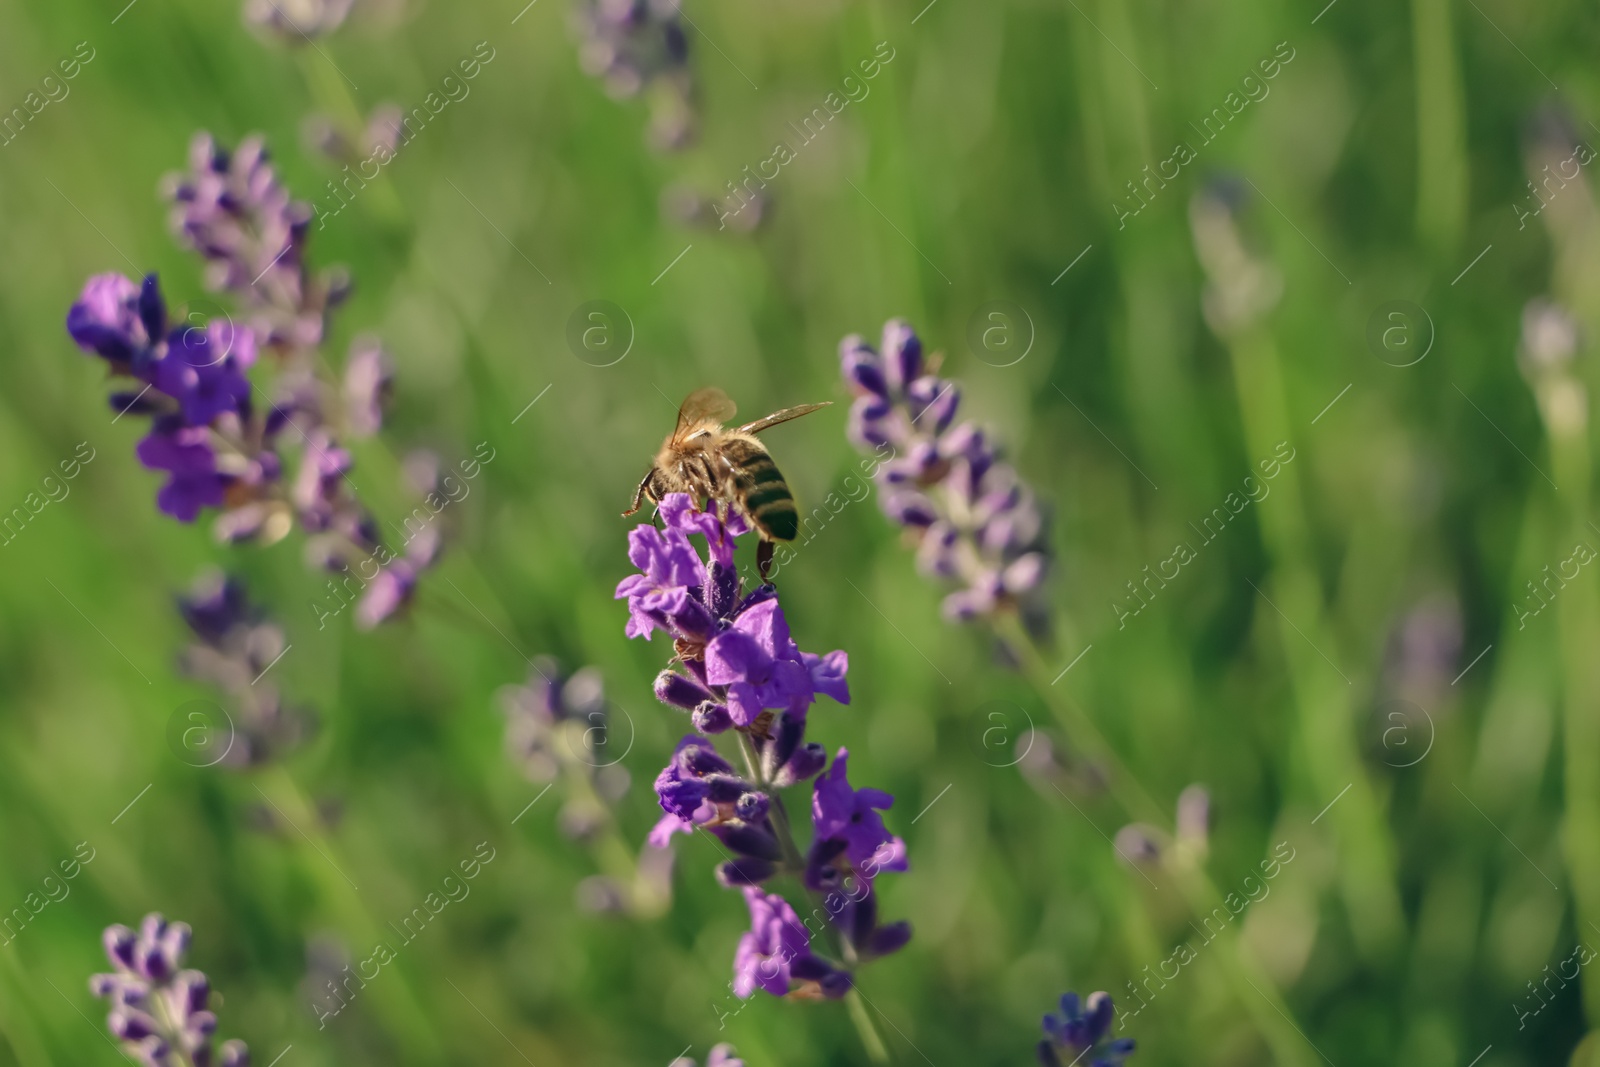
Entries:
{"x":1082,"y":1028}
{"x":638,"y":47}
{"x":159,"y":1011}
{"x":559,"y":731}
{"x":234,"y":647}
{"x":972,"y":519}
{"x":221,"y":447}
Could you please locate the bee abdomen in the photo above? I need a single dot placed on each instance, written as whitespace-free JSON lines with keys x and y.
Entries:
{"x":767,"y":499}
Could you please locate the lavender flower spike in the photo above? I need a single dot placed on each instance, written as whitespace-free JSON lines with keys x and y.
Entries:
{"x":740,"y":673}
{"x":231,"y":208}
{"x":1081,"y":1030}
{"x":235,"y":645}
{"x":973,"y":519}
{"x":158,"y":1011}
{"x":635,"y":46}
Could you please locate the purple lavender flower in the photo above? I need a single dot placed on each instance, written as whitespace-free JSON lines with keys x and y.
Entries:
{"x":972,"y":517}
{"x":218,"y":445}
{"x":108,"y":319}
{"x":638,"y":45}
{"x":235,"y":645}
{"x":561,"y":722}
{"x":847,"y":816}
{"x":558,"y":726}
{"x":185,"y":453}
{"x":231,"y":208}
{"x":158,"y":1011}
{"x":201,"y":398}
{"x":741,"y":673}
{"x":538,"y":712}
{"x":368,"y":380}
{"x":740,"y":666}
{"x":776,"y":952}
{"x":1081,"y":1030}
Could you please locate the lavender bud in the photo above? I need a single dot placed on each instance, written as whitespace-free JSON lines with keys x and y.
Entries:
{"x":752,"y":807}
{"x":936,"y":553}
{"x":868,"y":422}
{"x":933,"y":403}
{"x":807,"y":760}
{"x":711,"y":718}
{"x":679,"y":691}
{"x":888,"y":939}
{"x":902,"y":353}
{"x":861,"y":365}
{"x":131,"y":1025}
{"x":1139,"y":844}
{"x":119,"y":942}
{"x":745,"y":871}
{"x":1024,"y":574}
{"x":754,"y":841}
{"x":910,"y":508}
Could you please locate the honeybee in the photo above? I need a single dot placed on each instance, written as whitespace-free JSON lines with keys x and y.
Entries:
{"x":729,"y":467}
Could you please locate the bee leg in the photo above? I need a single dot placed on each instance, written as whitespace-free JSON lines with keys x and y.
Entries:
{"x":764,"y":551}
{"x":638,"y":497}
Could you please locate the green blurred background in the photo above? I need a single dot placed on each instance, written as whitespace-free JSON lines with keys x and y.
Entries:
{"x":989,"y":154}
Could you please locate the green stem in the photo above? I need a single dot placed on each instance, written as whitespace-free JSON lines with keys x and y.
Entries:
{"x":1442,"y":169}
{"x":1324,"y":696}
{"x":612,"y":853}
{"x":876,"y":1050}
{"x":794,"y":864}
{"x":328,"y":89}
{"x":1578,"y":615}
{"x":18,"y":1025}
{"x":395,"y":1000}
{"x":1256,"y":991}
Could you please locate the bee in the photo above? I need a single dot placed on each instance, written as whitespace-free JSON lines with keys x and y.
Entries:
{"x":729,"y":467}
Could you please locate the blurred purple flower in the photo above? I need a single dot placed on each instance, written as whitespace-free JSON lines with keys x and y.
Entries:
{"x":1081,"y":1029}
{"x":219,"y":448}
{"x":973,"y":519}
{"x":158,"y":1011}
{"x":234,"y":646}
{"x":634,"y":45}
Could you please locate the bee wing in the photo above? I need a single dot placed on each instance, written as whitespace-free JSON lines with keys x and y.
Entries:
{"x":781,"y":416}
{"x":708,"y":405}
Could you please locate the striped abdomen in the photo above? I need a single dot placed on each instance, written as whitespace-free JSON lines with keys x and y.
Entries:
{"x":761,"y":490}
